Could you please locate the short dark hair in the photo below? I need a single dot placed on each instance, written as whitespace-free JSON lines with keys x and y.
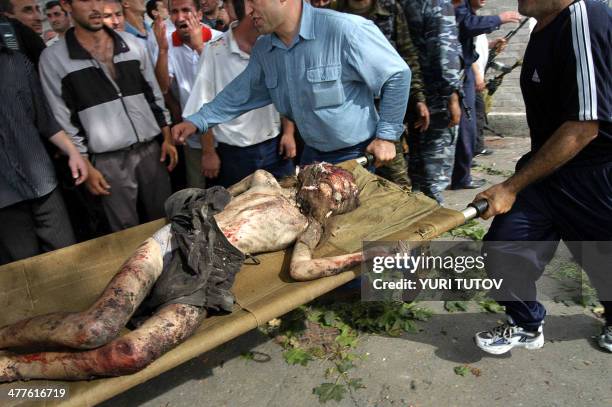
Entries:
{"x":196,"y":4}
{"x":238,"y":8}
{"x":50,"y":4}
{"x":6,"y":7}
{"x":151,"y":6}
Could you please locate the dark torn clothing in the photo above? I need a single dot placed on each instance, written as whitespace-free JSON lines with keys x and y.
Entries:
{"x":203,"y":263}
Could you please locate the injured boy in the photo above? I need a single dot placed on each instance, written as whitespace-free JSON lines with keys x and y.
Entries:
{"x":183,"y":272}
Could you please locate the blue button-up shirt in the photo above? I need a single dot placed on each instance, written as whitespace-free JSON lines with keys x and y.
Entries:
{"x":325,"y":81}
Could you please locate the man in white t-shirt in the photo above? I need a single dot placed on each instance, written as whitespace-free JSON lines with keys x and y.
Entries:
{"x":176,"y":67}
{"x":252,"y":141}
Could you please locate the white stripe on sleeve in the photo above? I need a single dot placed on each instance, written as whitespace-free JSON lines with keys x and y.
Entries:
{"x":585,"y":74}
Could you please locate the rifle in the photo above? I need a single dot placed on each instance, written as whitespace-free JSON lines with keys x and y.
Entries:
{"x":495,"y":51}
{"x":494,"y":83}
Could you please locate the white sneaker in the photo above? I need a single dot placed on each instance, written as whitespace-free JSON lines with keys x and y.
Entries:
{"x":605,"y":340}
{"x":507,"y":336}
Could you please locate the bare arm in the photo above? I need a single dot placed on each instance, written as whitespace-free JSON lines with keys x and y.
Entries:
{"x":161,"y":71}
{"x":77,"y":164}
{"x":210,"y":161}
{"x":287,"y":146}
{"x":303,"y":267}
{"x":161,"y":66}
{"x":479,"y":78}
{"x":258,"y":178}
{"x":168,"y":149}
{"x":567,"y":141}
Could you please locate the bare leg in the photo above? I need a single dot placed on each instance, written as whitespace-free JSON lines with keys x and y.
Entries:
{"x":303,"y":267}
{"x":104,"y":320}
{"x":171,"y":325}
{"x":258,"y":178}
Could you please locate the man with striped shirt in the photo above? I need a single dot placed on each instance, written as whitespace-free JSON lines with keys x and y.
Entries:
{"x":562,"y":188}
{"x":32,"y":212}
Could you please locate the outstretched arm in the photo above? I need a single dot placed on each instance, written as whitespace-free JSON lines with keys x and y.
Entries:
{"x":303,"y":267}
{"x":245,"y":93}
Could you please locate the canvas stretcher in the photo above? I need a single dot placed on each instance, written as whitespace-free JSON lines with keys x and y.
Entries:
{"x":70,"y":279}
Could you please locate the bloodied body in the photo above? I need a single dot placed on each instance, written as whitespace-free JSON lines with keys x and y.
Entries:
{"x":260,"y":217}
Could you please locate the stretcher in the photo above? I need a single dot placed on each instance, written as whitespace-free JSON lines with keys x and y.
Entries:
{"x":70,"y":279}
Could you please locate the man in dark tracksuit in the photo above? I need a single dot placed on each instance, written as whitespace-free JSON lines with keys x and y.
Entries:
{"x":470,"y":26}
{"x":562,"y":188}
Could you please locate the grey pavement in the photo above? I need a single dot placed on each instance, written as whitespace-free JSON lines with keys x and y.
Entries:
{"x":414,"y":369}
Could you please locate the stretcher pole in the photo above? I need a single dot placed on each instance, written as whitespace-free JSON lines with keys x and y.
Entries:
{"x":472,"y":211}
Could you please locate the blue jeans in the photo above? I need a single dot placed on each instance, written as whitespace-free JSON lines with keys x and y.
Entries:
{"x":239,"y":162}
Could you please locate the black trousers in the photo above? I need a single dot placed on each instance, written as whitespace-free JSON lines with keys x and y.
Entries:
{"x":573,"y":204}
{"x":480,"y":121}
{"x":35,"y":226}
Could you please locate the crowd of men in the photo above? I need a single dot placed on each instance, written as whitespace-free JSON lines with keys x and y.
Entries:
{"x":128,"y":101}
{"x":115,"y":75}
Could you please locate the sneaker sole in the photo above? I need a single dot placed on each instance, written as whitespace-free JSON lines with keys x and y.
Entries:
{"x":604,"y":345}
{"x":500,"y":350}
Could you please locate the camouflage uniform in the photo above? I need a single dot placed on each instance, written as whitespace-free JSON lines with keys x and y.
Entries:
{"x":434,"y":32}
{"x":389,"y":17}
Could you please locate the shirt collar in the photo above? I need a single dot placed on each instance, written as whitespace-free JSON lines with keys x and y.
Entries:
{"x":233,"y":45}
{"x":307,"y":29}
{"x":177,"y":41}
{"x":134,"y":31}
{"x":76,"y":50}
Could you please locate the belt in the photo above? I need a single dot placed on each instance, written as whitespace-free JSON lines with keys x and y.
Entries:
{"x":128,"y":148}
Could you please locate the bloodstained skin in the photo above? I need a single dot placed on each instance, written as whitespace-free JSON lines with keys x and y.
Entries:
{"x":260,"y":217}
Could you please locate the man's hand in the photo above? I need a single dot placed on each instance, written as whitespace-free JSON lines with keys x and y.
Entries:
{"x":96,"y":184}
{"x":500,"y":197}
{"x":223,"y":16}
{"x":454,"y":110}
{"x":383,"y":151}
{"x":510,"y":17}
{"x":480,"y":82}
{"x":181,"y":131}
{"x":168,"y":150}
{"x":159,"y":29}
{"x":498,"y":44}
{"x":78,"y":167}
{"x":211,"y":163}
{"x":195,"y":33}
{"x":286,"y":147}
{"x":422,"y":123}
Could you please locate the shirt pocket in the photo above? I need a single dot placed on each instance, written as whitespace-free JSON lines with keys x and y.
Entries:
{"x":271,"y":81}
{"x":326,"y":87}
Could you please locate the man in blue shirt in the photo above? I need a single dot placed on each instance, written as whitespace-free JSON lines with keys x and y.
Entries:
{"x":322,"y":70}
{"x":470,"y":26}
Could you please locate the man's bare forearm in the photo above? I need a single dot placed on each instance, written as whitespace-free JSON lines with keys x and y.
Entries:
{"x":64,"y":143}
{"x":161,"y":71}
{"x":207,"y":140}
{"x":567,"y":141}
{"x":288,"y":126}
